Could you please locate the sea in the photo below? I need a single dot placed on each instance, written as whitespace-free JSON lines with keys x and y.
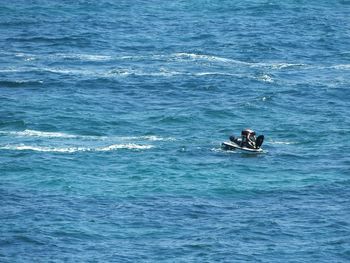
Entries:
{"x":112,"y":115}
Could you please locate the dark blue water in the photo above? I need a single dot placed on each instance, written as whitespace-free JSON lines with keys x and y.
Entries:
{"x":112,"y":114}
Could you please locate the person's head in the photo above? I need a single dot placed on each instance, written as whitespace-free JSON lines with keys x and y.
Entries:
{"x":248,"y":132}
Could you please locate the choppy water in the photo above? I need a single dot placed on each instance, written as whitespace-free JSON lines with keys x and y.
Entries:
{"x":112,"y":114}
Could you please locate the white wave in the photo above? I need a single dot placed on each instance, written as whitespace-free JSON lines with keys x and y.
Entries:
{"x":121,"y":72}
{"x":124,"y":146}
{"x":86,"y":57}
{"x":341,"y":66}
{"x":265,"y":78}
{"x":148,"y":137}
{"x":282,"y":142}
{"x":132,"y":72}
{"x":21,"y":81}
{"x":113,"y":147}
{"x":277,"y":65}
{"x":163,"y":73}
{"x":45,"y":134}
{"x":216,"y":73}
{"x":26,"y":57}
{"x":282,"y":65}
{"x":39,"y":134}
{"x":44,"y":148}
{"x":82,"y":57}
{"x":7,"y":70}
{"x":219,"y":150}
{"x":68,"y":71}
{"x":21,"y":55}
{"x":125,"y":72}
{"x":139,"y":57}
{"x":22,"y":70}
{"x":201,"y":57}
{"x":180,"y":55}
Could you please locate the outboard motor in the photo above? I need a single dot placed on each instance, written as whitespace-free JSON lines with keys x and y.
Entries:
{"x":259,"y":141}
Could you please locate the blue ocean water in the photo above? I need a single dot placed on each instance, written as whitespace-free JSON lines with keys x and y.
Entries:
{"x":112,"y":114}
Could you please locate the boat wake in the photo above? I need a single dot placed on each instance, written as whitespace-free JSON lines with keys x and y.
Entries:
{"x":113,"y":147}
{"x":44,"y":141}
{"x":46,"y":134}
{"x":34,"y":133}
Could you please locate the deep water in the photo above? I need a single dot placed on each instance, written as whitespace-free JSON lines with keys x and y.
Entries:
{"x":112,"y":114}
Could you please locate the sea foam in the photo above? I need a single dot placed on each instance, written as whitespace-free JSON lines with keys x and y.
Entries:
{"x":149,"y":138}
{"x":201,"y":57}
{"x":22,"y":147}
{"x":34,"y":133}
{"x":45,"y":134}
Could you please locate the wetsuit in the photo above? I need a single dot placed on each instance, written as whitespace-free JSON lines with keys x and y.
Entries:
{"x":249,"y":141}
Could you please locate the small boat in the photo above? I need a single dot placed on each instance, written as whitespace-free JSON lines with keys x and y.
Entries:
{"x":235,"y":144}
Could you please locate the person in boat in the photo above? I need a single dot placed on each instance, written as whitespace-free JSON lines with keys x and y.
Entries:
{"x":248,"y":139}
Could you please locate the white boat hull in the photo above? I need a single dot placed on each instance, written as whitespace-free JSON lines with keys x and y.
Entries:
{"x":231,"y":146}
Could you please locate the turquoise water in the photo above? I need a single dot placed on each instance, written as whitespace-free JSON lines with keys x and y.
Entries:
{"x":112,"y":114}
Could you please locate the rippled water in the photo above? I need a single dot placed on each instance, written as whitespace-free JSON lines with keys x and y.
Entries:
{"x":112,"y":114}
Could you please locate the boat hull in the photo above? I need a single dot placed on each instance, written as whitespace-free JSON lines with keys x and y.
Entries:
{"x":231,"y":146}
